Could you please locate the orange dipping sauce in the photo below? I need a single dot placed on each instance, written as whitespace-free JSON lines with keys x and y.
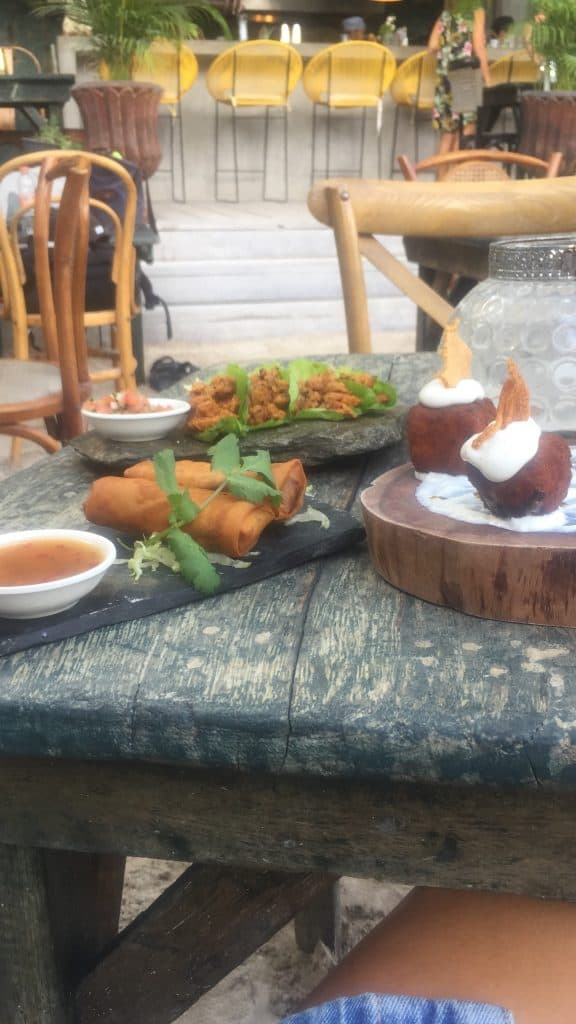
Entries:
{"x":42,"y":560}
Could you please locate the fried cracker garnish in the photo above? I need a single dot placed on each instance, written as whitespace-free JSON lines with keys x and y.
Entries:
{"x":456,"y":357}
{"x":513,"y":404}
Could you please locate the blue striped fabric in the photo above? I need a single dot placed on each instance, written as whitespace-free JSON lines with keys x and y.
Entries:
{"x":390,"y":1009}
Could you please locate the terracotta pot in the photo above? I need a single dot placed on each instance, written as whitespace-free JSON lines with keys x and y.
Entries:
{"x":122,"y":116}
{"x":548,"y":123}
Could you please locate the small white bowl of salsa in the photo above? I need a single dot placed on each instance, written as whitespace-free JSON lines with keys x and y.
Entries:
{"x":43,"y":572}
{"x":128,"y":416}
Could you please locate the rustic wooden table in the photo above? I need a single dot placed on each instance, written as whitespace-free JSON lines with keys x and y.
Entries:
{"x":315,"y":724}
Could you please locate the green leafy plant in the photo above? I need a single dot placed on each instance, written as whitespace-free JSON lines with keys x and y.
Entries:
{"x":123,"y":30}
{"x":553,"y":38}
{"x":250,"y":478}
{"x":52,"y":134}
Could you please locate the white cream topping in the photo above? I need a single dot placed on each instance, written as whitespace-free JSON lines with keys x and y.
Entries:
{"x":455,"y":497}
{"x":504,"y":454}
{"x":436,"y":395}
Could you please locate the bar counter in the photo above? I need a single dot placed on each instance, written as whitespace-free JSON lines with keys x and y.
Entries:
{"x":198,"y":128}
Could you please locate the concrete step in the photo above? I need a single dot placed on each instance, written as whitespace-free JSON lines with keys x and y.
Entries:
{"x":273,"y":280}
{"x":236,"y":321}
{"x":200,"y":244}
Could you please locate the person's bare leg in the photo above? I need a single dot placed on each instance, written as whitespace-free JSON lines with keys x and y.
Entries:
{"x":511,"y":951}
{"x":449,"y":142}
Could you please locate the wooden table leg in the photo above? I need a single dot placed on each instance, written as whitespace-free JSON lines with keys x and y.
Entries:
{"x":84,"y":899}
{"x":320,"y":920}
{"x":32,"y":990}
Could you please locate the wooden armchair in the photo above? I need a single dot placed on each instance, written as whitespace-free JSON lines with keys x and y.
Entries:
{"x":119,"y":313}
{"x":52,"y":391}
{"x":358,"y":210}
{"x":482,"y":165}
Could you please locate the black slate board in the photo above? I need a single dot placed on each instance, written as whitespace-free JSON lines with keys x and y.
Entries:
{"x":118,"y":599}
{"x":313,"y":441}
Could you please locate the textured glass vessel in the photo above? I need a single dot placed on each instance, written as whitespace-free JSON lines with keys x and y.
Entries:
{"x":526,"y":309}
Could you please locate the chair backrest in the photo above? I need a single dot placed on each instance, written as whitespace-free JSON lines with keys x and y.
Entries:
{"x":357,"y":210}
{"x":173,"y":67}
{"x":414,"y":83}
{"x":121,"y":220}
{"x":348,"y":74}
{"x":61,"y":287}
{"x":515,"y":68}
{"x":14,"y":57}
{"x":481,"y":165}
{"x":259,"y":72}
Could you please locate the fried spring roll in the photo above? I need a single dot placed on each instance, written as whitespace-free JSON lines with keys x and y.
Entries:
{"x":289,"y":476}
{"x":138,"y":506}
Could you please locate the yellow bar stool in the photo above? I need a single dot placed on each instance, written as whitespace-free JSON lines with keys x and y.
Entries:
{"x":257,"y":74}
{"x":412,"y":89}
{"x":349,"y":75}
{"x":175,"y":69}
{"x":517,"y":68}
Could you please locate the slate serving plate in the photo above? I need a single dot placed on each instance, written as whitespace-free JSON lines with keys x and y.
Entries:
{"x":313,"y":441}
{"x":119,"y":599}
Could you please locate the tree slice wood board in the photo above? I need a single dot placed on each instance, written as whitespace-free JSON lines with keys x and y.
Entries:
{"x":476,"y":569}
{"x":313,"y":441}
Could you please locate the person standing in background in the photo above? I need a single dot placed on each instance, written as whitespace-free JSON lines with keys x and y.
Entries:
{"x":499,"y":30}
{"x":459,"y":35}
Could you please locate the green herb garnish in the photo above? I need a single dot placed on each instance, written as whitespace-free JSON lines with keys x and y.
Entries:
{"x":176,"y":549}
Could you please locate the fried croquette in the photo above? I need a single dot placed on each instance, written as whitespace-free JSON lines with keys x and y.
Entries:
{"x":536,"y":489}
{"x":435,"y":436}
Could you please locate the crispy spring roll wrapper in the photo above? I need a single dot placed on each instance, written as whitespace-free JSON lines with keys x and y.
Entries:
{"x":138,"y":506}
{"x":289,"y":476}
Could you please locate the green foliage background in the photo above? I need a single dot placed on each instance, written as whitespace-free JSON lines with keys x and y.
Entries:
{"x":123,"y":30}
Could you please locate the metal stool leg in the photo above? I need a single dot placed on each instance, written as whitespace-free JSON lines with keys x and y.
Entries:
{"x":181,"y":141}
{"x":216,"y":150}
{"x":415,"y":123}
{"x":328,"y":128}
{"x":172,"y":156}
{"x":362,"y":141}
{"x":285,"y":117}
{"x":266,"y":138}
{"x":235,"y":151}
{"x":394,"y":140}
{"x":313,"y":158}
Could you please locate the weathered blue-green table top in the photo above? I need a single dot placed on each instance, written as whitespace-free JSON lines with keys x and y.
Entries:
{"x":323,"y":670}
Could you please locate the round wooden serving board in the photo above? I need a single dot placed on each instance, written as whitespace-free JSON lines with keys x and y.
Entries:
{"x":480,"y":570}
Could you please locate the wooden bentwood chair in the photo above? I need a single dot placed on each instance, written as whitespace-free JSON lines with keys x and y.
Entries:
{"x":118,"y":315}
{"x":359,"y":210}
{"x":482,"y":165}
{"x":54,"y":390}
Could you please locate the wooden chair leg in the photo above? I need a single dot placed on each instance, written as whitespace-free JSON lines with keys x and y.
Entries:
{"x":351,"y":271}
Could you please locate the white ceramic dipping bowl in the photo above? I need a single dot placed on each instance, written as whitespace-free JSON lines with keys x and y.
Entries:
{"x":34,"y":601}
{"x":139,"y":426}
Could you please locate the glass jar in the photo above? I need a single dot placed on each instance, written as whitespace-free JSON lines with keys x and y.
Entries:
{"x":526,"y":309}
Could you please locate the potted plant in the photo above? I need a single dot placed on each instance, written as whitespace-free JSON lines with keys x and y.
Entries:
{"x":553,"y":38}
{"x":548,"y":117}
{"x":122,"y":31}
{"x":119,"y":114}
